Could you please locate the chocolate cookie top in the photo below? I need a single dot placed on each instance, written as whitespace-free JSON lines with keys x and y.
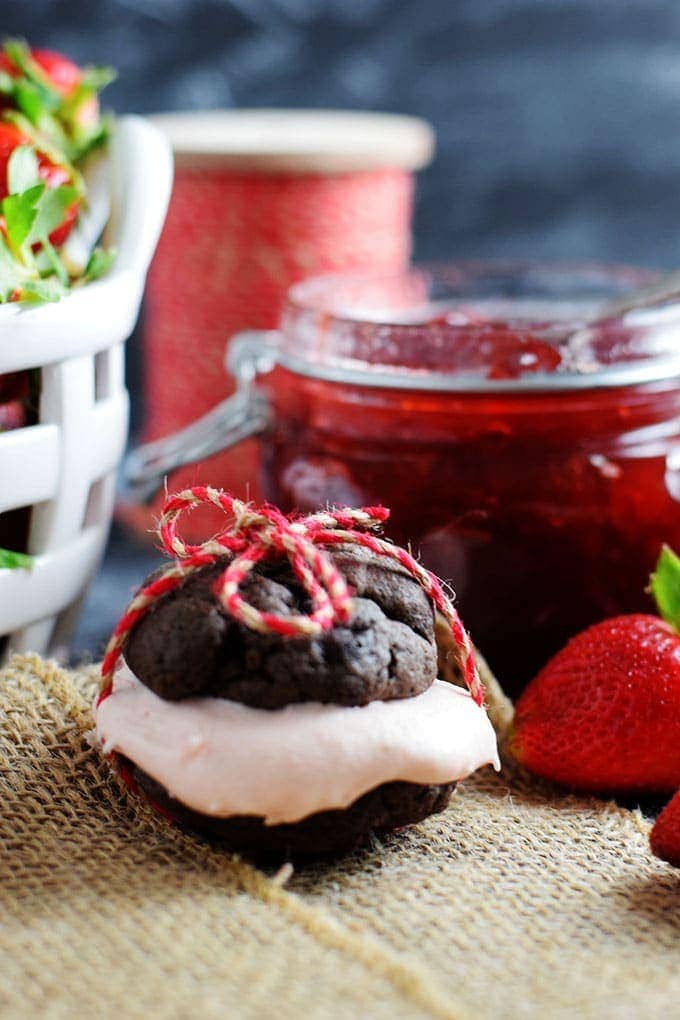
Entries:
{"x":187,"y":645}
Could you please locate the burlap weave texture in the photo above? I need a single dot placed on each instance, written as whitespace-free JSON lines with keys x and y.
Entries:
{"x":516,"y":902}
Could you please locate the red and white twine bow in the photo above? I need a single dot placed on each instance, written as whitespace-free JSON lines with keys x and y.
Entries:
{"x":258,"y":532}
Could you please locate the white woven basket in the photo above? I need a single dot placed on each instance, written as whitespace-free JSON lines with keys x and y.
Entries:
{"x":64,"y":467}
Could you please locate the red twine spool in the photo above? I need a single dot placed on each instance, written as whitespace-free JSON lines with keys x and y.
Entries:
{"x":255,"y":533}
{"x":262,"y":200}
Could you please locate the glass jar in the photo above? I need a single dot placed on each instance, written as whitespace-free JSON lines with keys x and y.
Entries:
{"x":529,"y":450}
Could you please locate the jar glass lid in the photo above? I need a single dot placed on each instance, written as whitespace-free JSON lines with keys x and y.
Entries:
{"x":471,"y":326}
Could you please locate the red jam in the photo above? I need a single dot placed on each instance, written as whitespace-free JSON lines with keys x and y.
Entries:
{"x":544,"y":507}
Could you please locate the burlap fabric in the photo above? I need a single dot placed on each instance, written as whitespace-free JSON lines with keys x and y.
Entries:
{"x":517,"y":902}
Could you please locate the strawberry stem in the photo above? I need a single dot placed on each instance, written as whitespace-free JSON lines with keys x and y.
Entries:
{"x":665,"y":586}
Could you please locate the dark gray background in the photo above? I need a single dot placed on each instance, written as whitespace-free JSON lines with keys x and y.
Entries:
{"x":558,"y":120}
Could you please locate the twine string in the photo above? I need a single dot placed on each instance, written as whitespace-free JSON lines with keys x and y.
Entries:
{"x":255,"y":533}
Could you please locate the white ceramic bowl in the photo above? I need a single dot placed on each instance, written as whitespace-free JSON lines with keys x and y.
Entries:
{"x":64,"y":467}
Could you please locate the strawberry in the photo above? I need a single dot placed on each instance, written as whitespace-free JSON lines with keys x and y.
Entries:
{"x":665,"y":836}
{"x":64,"y":77}
{"x":62,"y":74}
{"x":12,"y":415}
{"x":57,"y":96}
{"x":604,"y":714}
{"x":10,"y":138}
{"x":14,"y":386}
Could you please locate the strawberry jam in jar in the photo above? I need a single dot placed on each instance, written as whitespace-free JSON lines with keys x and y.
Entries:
{"x":524,"y":431}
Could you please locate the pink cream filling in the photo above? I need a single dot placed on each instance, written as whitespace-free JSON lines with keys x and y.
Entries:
{"x":222,"y":758}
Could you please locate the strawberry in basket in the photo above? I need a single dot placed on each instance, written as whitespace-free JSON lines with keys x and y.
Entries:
{"x":55,"y":95}
{"x":49,"y":121}
{"x":30,"y":168}
{"x":15,"y":393}
{"x":40,"y":198}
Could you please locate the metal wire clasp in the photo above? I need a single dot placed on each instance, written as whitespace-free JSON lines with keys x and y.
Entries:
{"x":245,"y":413}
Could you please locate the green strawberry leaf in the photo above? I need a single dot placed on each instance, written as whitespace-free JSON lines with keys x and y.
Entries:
{"x":13,"y":560}
{"x":49,"y":139}
{"x":96,"y":78}
{"x":88,"y":138}
{"x":55,"y":263}
{"x":51,"y":209}
{"x":30,"y":100}
{"x":22,"y":169}
{"x":42,"y":262}
{"x":51,"y":130}
{"x":19,"y":53}
{"x":13,"y":274}
{"x":100,"y":262}
{"x":665,"y":586}
{"x":20,"y":212}
{"x":6,"y":84}
{"x":40,"y":291}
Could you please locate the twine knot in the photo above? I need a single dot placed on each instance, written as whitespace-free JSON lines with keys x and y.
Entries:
{"x":255,"y":533}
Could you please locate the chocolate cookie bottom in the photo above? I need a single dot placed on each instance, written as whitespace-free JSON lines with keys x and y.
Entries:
{"x":320,"y":835}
